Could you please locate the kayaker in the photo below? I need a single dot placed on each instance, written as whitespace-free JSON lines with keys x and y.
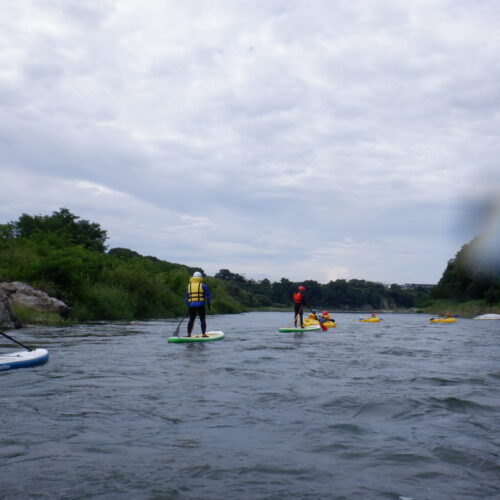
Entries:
{"x":325,"y":316}
{"x":298,"y":303}
{"x":374,"y":315}
{"x":197,"y":295}
{"x":312,"y":315}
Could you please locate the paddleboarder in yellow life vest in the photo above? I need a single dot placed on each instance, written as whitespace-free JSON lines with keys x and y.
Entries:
{"x":298,"y":304}
{"x":197,"y":295}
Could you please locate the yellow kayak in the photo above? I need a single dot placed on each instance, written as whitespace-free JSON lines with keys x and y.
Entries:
{"x":328,"y":324}
{"x":442,"y":320}
{"x":369,"y":320}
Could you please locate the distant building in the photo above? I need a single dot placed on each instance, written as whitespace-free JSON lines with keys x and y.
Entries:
{"x":406,"y":286}
{"x":412,"y":286}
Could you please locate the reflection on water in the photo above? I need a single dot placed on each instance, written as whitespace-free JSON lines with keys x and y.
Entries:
{"x":390,"y":410}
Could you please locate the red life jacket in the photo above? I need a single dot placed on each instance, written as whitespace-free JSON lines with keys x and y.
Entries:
{"x":297,"y":298}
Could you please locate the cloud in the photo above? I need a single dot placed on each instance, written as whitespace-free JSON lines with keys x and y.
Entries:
{"x":271,"y":138}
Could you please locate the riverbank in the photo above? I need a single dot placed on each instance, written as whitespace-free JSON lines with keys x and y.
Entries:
{"x":439,"y":307}
{"x":29,"y":317}
{"x":468,"y":309}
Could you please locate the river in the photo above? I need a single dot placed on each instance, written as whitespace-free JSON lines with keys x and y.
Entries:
{"x":403,"y":409}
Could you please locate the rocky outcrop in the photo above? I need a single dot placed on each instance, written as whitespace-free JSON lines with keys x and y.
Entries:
{"x":488,"y":316}
{"x":22,"y":295}
{"x":388,"y":304}
{"x":7,"y":318}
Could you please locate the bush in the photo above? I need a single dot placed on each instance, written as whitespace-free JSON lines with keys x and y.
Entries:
{"x":32,"y":317}
{"x":108,"y":302}
{"x":226,"y":306}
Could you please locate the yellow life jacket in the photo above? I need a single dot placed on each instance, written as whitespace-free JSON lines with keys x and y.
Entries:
{"x":195,"y":290}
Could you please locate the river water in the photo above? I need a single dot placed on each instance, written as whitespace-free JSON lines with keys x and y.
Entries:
{"x":402,"y":409}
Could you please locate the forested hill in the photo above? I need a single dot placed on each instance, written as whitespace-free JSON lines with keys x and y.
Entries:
{"x":67,"y":257}
{"x":468,"y":277}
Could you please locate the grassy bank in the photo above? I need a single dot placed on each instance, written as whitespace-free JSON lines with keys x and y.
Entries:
{"x":31,"y":317}
{"x":464,"y":309}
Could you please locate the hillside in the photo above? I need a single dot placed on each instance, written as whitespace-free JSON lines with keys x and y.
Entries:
{"x":470,"y":284}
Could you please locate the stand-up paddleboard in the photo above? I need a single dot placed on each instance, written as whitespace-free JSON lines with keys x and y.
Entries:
{"x":23,"y":359}
{"x":311,"y":328}
{"x":218,"y":335}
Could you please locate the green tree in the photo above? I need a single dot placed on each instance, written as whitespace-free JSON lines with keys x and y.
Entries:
{"x":465,"y":278}
{"x":64,"y":224}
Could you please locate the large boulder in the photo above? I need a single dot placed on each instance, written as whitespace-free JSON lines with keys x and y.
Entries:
{"x":22,"y":295}
{"x":7,"y":318}
{"x":488,"y":316}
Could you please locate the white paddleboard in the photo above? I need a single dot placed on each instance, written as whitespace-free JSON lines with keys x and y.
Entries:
{"x":216,"y":335}
{"x":23,"y":359}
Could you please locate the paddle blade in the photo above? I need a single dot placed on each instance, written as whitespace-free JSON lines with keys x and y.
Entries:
{"x":178,"y":328}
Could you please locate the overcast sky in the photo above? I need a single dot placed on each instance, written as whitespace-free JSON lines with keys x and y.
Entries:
{"x":307,"y":139}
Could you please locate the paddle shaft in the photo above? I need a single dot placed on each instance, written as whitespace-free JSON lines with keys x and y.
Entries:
{"x":14,"y":340}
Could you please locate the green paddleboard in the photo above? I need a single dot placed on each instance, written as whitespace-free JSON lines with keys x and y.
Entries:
{"x":311,"y":328}
{"x":197,"y":338}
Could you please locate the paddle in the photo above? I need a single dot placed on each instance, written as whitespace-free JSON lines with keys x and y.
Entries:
{"x":177,"y":330}
{"x":14,"y":340}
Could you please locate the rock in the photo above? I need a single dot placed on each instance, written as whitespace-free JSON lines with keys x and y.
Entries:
{"x":22,"y":295}
{"x":387,"y":304}
{"x":7,"y":318}
{"x":488,"y":316}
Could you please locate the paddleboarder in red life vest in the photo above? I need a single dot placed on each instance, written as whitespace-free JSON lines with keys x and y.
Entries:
{"x":197,"y":295}
{"x":298,"y":303}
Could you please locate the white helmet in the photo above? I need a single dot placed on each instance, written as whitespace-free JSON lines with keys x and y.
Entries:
{"x":197,"y":274}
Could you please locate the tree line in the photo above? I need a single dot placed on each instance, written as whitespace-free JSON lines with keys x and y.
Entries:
{"x":338,"y":294}
{"x":67,"y":257}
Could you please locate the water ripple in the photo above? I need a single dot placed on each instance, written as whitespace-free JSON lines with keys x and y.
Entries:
{"x":400,"y":410}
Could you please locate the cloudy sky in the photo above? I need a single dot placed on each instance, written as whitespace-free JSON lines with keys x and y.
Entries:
{"x":307,"y":139}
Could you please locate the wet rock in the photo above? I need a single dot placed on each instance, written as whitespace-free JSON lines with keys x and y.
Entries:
{"x":8,"y":319}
